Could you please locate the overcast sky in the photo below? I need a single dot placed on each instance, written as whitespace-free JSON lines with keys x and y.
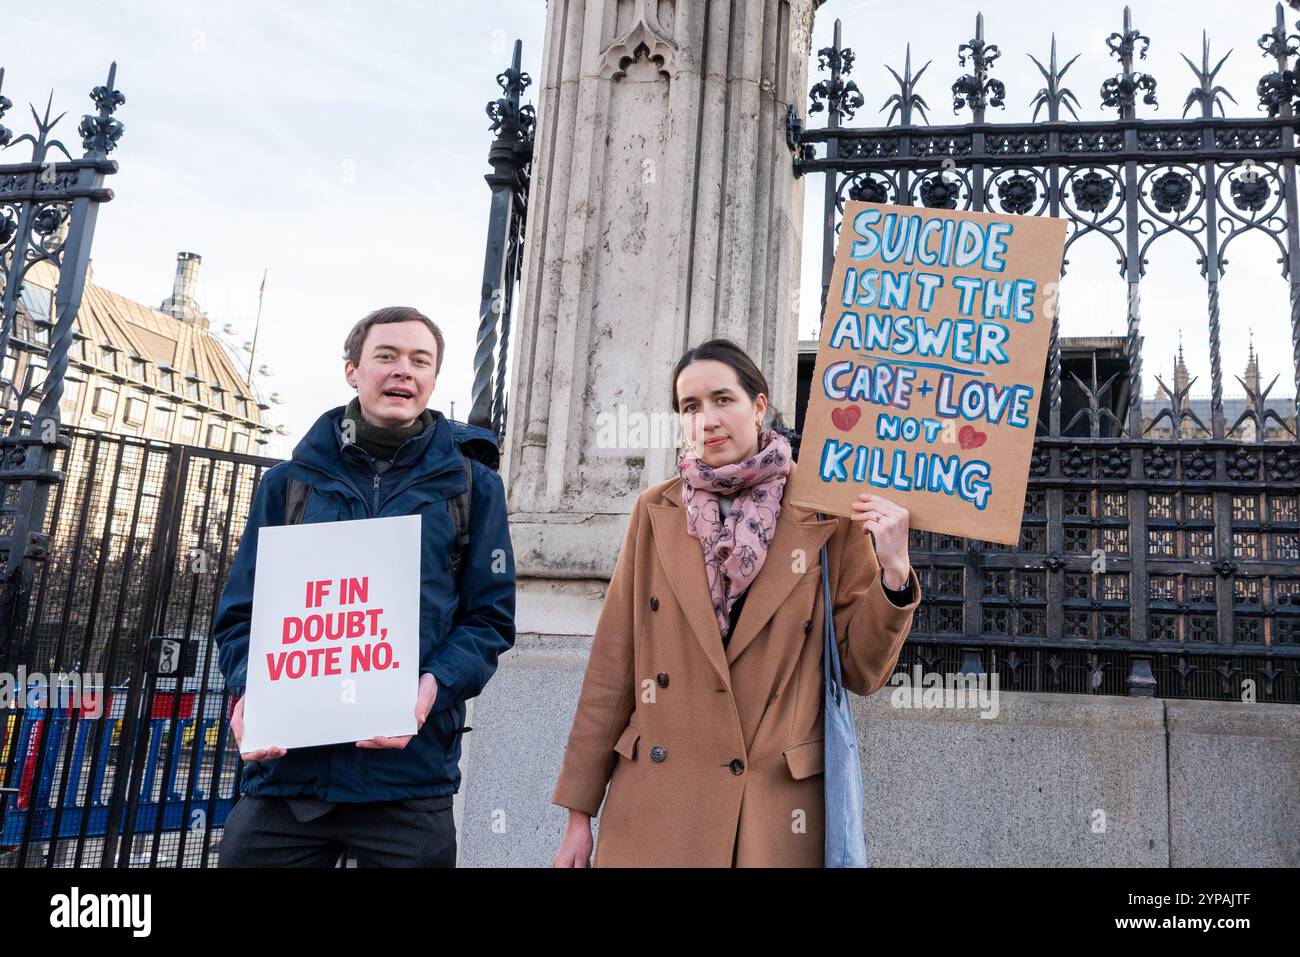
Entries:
{"x":342,"y":146}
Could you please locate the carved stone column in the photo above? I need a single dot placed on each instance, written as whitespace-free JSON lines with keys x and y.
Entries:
{"x":663,"y":211}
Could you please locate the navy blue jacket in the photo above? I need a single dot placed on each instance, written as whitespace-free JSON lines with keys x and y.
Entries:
{"x":463,"y":626}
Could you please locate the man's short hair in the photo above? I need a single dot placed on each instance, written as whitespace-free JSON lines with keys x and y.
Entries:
{"x":357,"y":337}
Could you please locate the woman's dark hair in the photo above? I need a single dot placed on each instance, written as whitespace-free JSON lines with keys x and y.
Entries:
{"x":747,"y":371}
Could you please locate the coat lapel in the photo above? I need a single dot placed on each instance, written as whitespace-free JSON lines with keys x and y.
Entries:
{"x":797,"y":530}
{"x":683,"y":561}
{"x":798,"y":540}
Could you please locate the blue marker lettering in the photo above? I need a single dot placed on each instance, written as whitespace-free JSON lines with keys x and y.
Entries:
{"x":929,"y":282}
{"x":894,"y":290}
{"x":923,"y":253}
{"x":833,"y":390}
{"x":1025,"y":289}
{"x":997,"y":299}
{"x":932,"y":342}
{"x":992,"y":335}
{"x":965,"y":328}
{"x":833,"y":455}
{"x":862,"y":224}
{"x":972,"y":490}
{"x":848,"y":326}
{"x":995,"y":247}
{"x":970,"y":242}
{"x":966,"y":285}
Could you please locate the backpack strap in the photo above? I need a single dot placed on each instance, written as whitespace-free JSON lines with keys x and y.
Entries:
{"x":295,"y":501}
{"x":460,"y":511}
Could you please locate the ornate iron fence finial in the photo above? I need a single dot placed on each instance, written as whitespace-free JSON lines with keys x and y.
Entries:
{"x":1279,"y":89}
{"x":100,"y":132}
{"x":839,"y":98}
{"x":977,"y":89}
{"x":1120,"y":92}
{"x":1093,"y":409}
{"x":41,"y":142}
{"x":1205,"y":92}
{"x":906,"y":99}
{"x":510,"y":121}
{"x":1054,"y":95}
{"x":47,"y":217}
{"x":1256,"y":411}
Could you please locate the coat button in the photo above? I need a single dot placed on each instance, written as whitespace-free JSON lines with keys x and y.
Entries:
{"x":807,"y":627}
{"x":737,"y":766}
{"x":662,"y":679}
{"x":658,"y":754}
{"x":654,"y":603}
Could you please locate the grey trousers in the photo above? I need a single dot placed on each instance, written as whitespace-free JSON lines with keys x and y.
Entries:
{"x":268,"y":832}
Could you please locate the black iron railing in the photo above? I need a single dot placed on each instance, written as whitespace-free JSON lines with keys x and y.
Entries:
{"x":511,"y":157}
{"x":48,"y":208}
{"x":145,"y":771}
{"x":1148,"y":564}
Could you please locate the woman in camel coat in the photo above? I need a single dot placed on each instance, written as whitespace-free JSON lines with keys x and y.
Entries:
{"x":701,"y":708}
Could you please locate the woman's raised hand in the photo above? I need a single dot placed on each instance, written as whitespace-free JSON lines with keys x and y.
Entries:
{"x":887,"y":524}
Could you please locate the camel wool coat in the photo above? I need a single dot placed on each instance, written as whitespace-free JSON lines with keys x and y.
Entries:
{"x":713,"y":755}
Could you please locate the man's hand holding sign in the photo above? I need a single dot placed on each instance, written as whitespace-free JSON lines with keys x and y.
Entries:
{"x":926,"y":388}
{"x":424,"y":699}
{"x":237,"y":729}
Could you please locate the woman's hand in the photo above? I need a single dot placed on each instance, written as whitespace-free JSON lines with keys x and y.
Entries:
{"x":887,"y":524}
{"x":575,"y":849}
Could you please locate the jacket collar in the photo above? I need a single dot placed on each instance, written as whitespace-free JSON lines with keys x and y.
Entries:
{"x":795,"y":548}
{"x":433,"y":453}
{"x":320,"y":448}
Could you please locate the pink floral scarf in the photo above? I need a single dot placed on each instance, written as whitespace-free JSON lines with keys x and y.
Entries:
{"x":735,"y":547}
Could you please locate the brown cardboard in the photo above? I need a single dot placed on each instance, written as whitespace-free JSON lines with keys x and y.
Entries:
{"x":889,"y":392}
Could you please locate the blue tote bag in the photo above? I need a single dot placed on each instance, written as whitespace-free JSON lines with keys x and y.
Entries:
{"x":846,"y":844}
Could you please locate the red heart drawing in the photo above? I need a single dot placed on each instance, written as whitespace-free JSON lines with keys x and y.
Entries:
{"x":970,"y":438}
{"x":846,"y":418}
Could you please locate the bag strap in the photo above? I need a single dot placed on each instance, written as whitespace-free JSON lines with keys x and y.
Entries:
{"x":832,"y":673}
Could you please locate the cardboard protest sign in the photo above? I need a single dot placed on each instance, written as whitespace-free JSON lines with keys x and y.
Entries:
{"x":933,"y":347}
{"x":334,"y":652}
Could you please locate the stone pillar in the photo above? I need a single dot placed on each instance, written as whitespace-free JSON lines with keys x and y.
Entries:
{"x":663,"y":211}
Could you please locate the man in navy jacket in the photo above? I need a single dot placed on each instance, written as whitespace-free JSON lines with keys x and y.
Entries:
{"x":386,"y":800}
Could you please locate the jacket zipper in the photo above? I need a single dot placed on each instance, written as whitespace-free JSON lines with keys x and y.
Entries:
{"x":375,"y":484}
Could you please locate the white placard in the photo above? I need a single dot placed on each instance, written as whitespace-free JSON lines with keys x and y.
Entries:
{"x":334,"y":650}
